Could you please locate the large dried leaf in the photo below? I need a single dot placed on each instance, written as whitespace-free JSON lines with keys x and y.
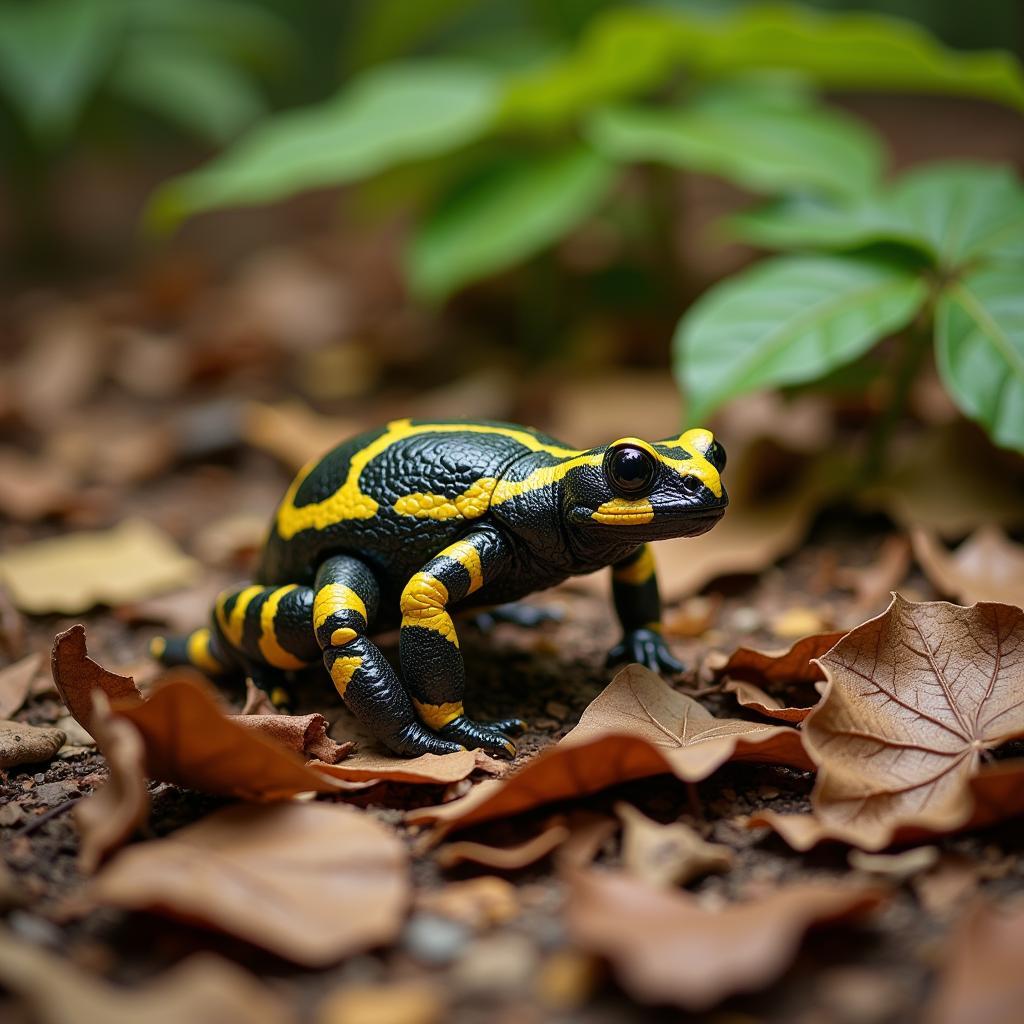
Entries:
{"x":77,"y":677}
{"x":15,"y":683}
{"x":665,"y":948}
{"x":638,"y":726}
{"x":981,"y":981}
{"x":988,"y":566}
{"x":759,"y":678}
{"x":915,"y":698}
{"x":203,"y":990}
{"x":310,"y":882}
{"x":73,"y":573}
{"x":109,"y":816}
{"x":189,"y":741}
{"x":427,"y":769}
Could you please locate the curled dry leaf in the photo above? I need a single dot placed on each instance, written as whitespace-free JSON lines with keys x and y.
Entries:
{"x":988,"y":566}
{"x":77,"y":676}
{"x":504,"y":858}
{"x":203,"y":990}
{"x":304,"y":734}
{"x":665,"y":948}
{"x":915,"y":698}
{"x":638,"y":726}
{"x":109,"y":816}
{"x":981,"y":981}
{"x":667,"y":855}
{"x":191,"y":742}
{"x":309,"y":882}
{"x":16,"y":682}
{"x":373,"y":766}
{"x":21,"y":743}
{"x":756,"y":677}
{"x":72,"y":574}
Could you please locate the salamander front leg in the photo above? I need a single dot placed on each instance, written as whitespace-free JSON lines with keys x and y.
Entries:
{"x":346,"y":602}
{"x":429,"y":647}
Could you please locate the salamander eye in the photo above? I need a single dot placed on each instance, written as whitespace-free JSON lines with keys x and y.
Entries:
{"x":630,"y":471}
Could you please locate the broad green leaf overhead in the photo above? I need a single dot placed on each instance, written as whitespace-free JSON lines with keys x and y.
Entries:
{"x":980,"y":349}
{"x":52,"y":53}
{"x":387,"y":116}
{"x":788,"y":320}
{"x":504,"y":216}
{"x":200,"y":91}
{"x":761,"y":145}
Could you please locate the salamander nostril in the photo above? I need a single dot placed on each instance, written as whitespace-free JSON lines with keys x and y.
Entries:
{"x":692,"y":485}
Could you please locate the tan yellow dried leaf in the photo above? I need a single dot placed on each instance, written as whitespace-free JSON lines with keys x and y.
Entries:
{"x":988,"y":566}
{"x":664,"y":947}
{"x":71,"y":574}
{"x":415,"y":1001}
{"x":310,"y":882}
{"x":477,"y":902}
{"x":16,"y":682}
{"x":427,"y":769}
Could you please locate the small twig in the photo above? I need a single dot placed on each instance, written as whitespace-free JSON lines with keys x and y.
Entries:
{"x":29,"y":827}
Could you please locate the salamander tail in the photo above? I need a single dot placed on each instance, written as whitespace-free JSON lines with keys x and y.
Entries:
{"x":199,"y":649}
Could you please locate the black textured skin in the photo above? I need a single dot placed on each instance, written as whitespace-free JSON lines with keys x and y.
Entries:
{"x":526,"y":517}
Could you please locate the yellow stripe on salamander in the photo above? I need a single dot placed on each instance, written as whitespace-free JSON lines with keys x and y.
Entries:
{"x":637,"y":572}
{"x":270,"y":646}
{"x":198,"y":649}
{"x":233,"y":625}
{"x":437,"y":716}
{"x":471,"y":504}
{"x":469,"y":558}
{"x":342,"y":672}
{"x":423,"y":604}
{"x":334,"y":599}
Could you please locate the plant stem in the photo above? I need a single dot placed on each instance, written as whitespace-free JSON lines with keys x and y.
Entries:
{"x":905,"y":369}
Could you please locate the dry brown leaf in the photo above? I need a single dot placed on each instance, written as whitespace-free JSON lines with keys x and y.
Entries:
{"x":895,"y":866}
{"x":638,"y":726}
{"x":16,"y":682}
{"x":951,"y":883}
{"x":32,"y":488}
{"x":988,"y":566}
{"x":12,"y":626}
{"x":203,"y":990}
{"x":477,"y":902}
{"x":872,"y":584}
{"x":588,"y":832}
{"x":752,"y":674}
{"x":77,"y":676}
{"x":257,"y":701}
{"x":108,"y":817}
{"x":73,"y":573}
{"x":310,"y":882}
{"x":21,"y":743}
{"x":665,"y":948}
{"x":398,"y":1002}
{"x":981,"y":981}
{"x":303,"y":734}
{"x":915,"y":697}
{"x":667,"y":855}
{"x":373,"y":766}
{"x":504,"y":858}
{"x":191,"y":742}
{"x":294,"y":433}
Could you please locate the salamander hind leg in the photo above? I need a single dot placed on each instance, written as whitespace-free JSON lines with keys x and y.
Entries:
{"x":431,"y":660}
{"x":344,"y":608}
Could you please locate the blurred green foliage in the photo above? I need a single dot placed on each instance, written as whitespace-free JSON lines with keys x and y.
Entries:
{"x":942,"y":248}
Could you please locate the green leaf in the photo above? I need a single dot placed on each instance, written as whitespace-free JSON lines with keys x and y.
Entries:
{"x":979,"y":346}
{"x":517,"y":209}
{"x":852,"y":50}
{"x":200,"y":91}
{"x":788,"y":320}
{"x":955,"y":213}
{"x":761,"y":145}
{"x":52,"y":54}
{"x":962,"y":211}
{"x":386,"y":117}
{"x":386,"y":29}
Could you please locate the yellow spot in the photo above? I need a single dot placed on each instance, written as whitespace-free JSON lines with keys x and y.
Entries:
{"x":423,"y":604}
{"x":349,"y":502}
{"x":471,"y":504}
{"x":469,"y":558}
{"x":279,"y":697}
{"x":437,"y":716}
{"x":542,"y":477}
{"x":270,"y":647}
{"x":343,"y":636}
{"x":619,"y":512}
{"x":696,"y":442}
{"x":233,"y":625}
{"x":334,"y":599}
{"x":157,"y":646}
{"x":637,"y":572}
{"x":198,"y":648}
{"x":342,"y":672}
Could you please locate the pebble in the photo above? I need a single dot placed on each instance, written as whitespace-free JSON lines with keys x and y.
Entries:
{"x":54,"y":793}
{"x":434,"y":940}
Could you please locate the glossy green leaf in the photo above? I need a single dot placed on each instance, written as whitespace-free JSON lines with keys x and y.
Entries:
{"x":788,"y":320}
{"x":761,"y":145}
{"x":200,"y":91}
{"x":52,"y":54}
{"x":980,"y":349}
{"x":386,"y":117}
{"x":517,"y":209}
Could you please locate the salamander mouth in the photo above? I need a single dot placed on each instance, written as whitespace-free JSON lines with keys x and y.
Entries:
{"x":657,"y":523}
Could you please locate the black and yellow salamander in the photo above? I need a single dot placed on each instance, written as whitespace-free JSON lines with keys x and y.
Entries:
{"x":407,"y":523}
